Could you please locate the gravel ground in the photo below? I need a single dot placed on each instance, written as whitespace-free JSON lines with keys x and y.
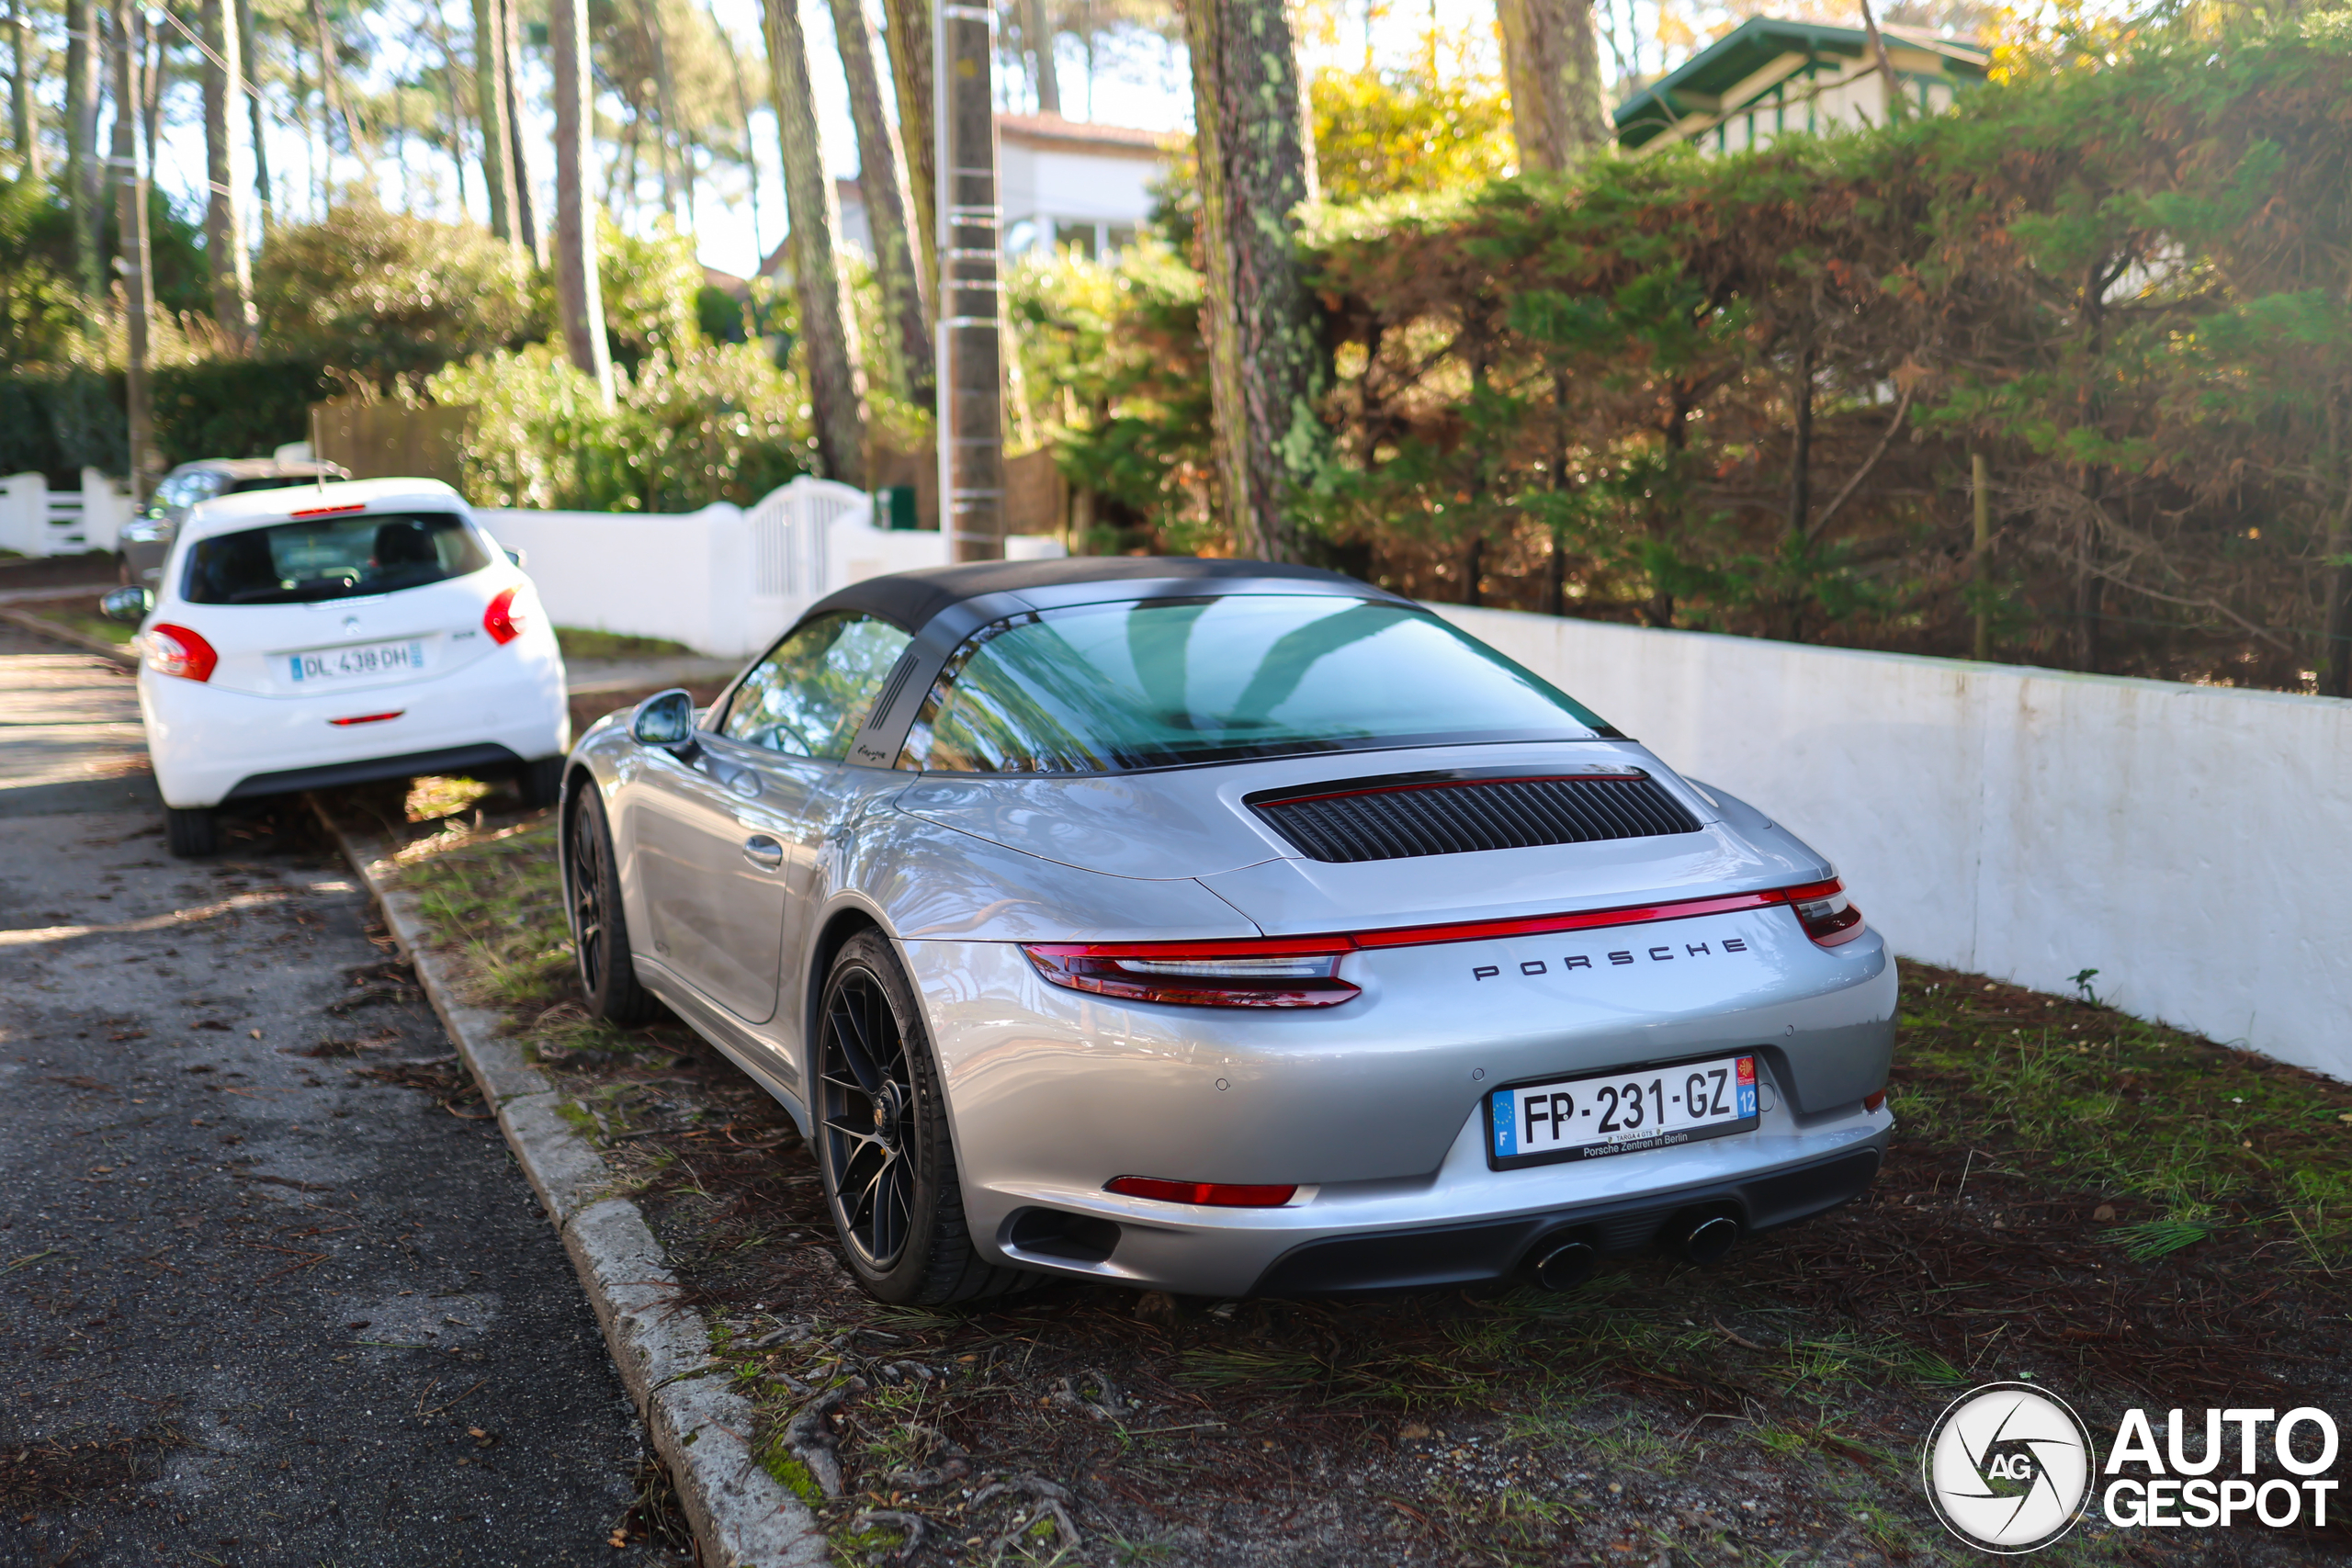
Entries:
{"x":271,"y":1290}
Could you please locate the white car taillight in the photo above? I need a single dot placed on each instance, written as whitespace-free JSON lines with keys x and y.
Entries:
{"x":502,"y":621}
{"x":176,"y":650}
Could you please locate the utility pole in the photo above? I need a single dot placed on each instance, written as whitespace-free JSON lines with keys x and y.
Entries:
{"x":971,"y":307}
{"x":130,"y":219}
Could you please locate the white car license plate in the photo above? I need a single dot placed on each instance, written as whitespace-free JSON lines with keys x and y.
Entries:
{"x":360,"y":662}
{"x":1619,"y":1112}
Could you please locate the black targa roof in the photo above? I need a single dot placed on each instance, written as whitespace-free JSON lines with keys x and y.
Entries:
{"x":912,"y":599}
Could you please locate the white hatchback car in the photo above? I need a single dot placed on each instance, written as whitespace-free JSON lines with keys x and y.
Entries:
{"x":340,"y":633}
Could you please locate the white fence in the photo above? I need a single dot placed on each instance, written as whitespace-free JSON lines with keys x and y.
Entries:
{"x":723,"y":581}
{"x":38,"y":520}
{"x":2191,"y":843}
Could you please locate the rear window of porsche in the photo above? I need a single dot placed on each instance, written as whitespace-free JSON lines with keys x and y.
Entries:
{"x":1105,"y":688}
{"x":307,"y":559}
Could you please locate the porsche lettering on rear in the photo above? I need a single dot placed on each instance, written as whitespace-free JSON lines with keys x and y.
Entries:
{"x":1662,"y":953}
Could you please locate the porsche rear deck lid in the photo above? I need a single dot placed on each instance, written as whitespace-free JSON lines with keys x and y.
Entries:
{"x":912,"y":599}
{"x":1399,"y":817}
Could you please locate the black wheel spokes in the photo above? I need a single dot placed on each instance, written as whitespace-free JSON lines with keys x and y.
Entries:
{"x":587,"y":903}
{"x":865,"y":1079}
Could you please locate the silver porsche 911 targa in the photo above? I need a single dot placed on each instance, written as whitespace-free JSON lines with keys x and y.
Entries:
{"x":1225,"y":928}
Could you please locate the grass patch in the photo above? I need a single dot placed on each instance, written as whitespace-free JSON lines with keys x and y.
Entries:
{"x":80,"y":615}
{"x":501,"y":903}
{"x":2089,"y":1097}
{"x":578,"y":642}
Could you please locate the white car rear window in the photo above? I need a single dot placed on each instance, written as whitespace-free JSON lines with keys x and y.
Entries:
{"x":333,"y":557}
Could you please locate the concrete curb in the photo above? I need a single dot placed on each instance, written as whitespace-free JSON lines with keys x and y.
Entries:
{"x":68,"y":635}
{"x":741,"y":1516}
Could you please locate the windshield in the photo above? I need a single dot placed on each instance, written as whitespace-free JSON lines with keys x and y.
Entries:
{"x":1103,"y":688}
{"x":333,"y":557}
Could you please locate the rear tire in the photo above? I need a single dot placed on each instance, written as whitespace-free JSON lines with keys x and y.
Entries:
{"x":191,"y":834}
{"x":599,"y":928}
{"x":540,"y":784}
{"x":883,"y":1143}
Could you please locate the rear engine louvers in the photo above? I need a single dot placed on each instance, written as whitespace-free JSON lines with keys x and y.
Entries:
{"x":1394,"y":819}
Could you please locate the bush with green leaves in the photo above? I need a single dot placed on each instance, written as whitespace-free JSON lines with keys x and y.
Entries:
{"x":387,"y":298}
{"x":721,"y":423}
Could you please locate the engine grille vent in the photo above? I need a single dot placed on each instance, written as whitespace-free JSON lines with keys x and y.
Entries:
{"x":1398,"y":821}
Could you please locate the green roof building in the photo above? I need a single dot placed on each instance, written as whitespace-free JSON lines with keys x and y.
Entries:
{"x":1768,"y":79}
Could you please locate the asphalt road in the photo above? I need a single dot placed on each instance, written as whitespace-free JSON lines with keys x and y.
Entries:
{"x":255,"y":1307}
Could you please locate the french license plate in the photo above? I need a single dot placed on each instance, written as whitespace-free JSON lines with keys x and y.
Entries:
{"x":356,"y":663}
{"x":1619,"y":1112}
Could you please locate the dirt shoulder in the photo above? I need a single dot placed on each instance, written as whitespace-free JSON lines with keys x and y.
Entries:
{"x":2122,"y":1213}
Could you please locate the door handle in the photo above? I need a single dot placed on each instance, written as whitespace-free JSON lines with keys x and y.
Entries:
{"x":763,"y":852}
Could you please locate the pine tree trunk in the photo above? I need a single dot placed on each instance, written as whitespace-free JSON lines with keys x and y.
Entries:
{"x":130,"y":221}
{"x":82,"y":164}
{"x":908,"y":23}
{"x":1552,"y":62}
{"x":490,"y":104}
{"x":252,"y":114}
{"x":579,"y":293}
{"x":827,"y":357}
{"x":150,"y":85}
{"x":510,"y":49}
{"x":23,"y":116}
{"x":224,"y":229}
{"x":1040,"y":31}
{"x":882,"y":178}
{"x":1267,"y":371}
{"x":323,"y":41}
{"x":742,"y":112}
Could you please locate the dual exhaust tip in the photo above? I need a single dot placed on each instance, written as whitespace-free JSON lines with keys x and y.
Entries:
{"x":1704,"y":1239}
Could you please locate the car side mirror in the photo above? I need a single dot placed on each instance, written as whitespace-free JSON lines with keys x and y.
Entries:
{"x":516,"y":557}
{"x":128,"y":604}
{"x":666,"y":719}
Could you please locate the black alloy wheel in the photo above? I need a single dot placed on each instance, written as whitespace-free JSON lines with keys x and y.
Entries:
{"x":883,"y":1142}
{"x":599,"y":929}
{"x":872,"y":1151}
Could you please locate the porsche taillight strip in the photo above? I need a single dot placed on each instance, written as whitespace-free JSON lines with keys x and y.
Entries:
{"x":1460,"y":930}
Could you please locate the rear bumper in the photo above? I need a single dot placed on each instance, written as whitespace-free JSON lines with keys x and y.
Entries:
{"x":1456,"y":1255}
{"x":209,"y":744}
{"x":334,"y":775}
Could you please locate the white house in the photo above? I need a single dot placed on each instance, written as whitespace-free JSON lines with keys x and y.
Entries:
{"x":1766,"y":79}
{"x":1063,"y":182}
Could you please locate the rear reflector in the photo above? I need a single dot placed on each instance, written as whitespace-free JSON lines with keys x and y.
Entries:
{"x":500,"y":620}
{"x":176,"y":650}
{"x":368,"y":717}
{"x":1872,"y":1100}
{"x":1215,"y":1194}
{"x":329,"y":511}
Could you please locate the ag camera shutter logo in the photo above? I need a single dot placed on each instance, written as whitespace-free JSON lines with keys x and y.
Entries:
{"x":2009,"y":1468}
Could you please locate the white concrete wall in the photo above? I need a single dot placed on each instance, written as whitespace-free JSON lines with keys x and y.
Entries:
{"x":2192,"y":844}
{"x":723,"y":581}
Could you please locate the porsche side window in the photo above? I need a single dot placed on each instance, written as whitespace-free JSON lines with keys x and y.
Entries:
{"x":811,"y":692}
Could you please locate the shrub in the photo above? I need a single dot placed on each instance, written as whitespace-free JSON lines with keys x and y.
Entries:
{"x":721,"y":424}
{"x":387,"y":297}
